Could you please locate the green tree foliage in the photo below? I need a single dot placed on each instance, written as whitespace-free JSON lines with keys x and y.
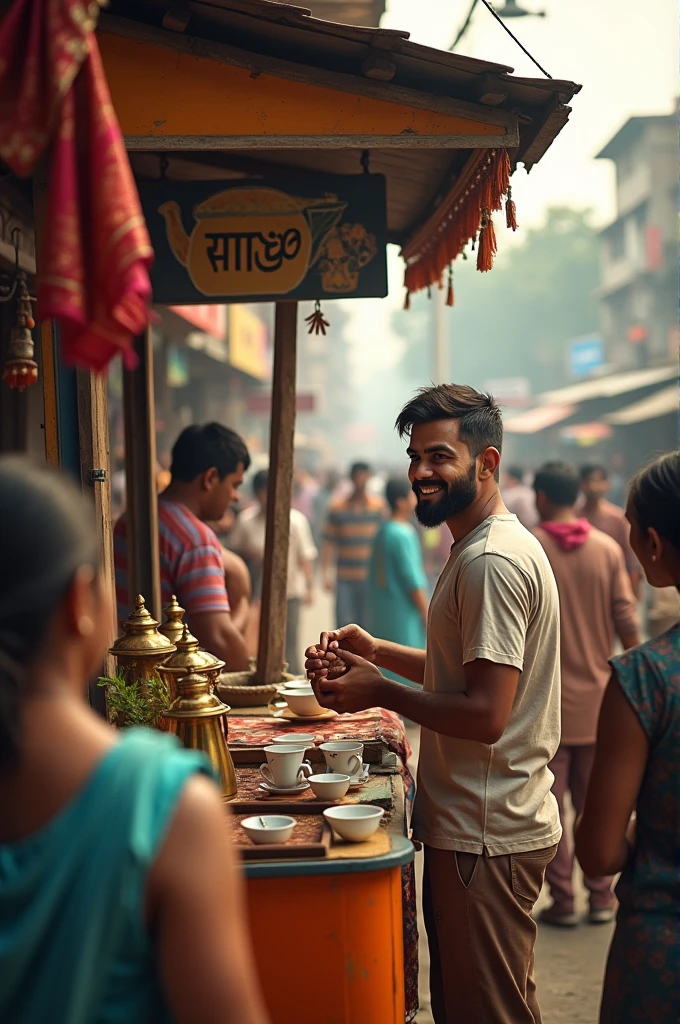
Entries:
{"x":514,"y":321}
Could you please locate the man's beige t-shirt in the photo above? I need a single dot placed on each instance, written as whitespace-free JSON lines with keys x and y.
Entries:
{"x":496,"y":599}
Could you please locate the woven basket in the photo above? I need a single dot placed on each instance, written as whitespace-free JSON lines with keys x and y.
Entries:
{"x":235,"y":689}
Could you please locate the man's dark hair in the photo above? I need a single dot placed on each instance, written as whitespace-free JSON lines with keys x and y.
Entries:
{"x":204,"y":445}
{"x":559,"y":481}
{"x":396,"y":487}
{"x":481,"y":424}
{"x":516,"y":472}
{"x":358,"y":467}
{"x":593,"y":467}
{"x":260,"y":481}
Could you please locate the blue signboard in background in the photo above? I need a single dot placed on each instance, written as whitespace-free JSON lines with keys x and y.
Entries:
{"x":585,"y":355}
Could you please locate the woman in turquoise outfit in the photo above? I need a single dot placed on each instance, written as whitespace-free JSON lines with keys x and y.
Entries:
{"x":119,"y":894}
{"x":637,"y":768}
{"x":397,"y":580}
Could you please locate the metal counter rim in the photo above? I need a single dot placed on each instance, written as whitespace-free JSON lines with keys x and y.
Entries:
{"x":402,"y":852}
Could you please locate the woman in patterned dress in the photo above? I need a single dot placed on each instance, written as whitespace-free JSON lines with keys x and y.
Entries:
{"x":637,"y":768}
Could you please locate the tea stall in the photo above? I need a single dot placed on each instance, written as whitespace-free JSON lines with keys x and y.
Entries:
{"x":276,"y":155}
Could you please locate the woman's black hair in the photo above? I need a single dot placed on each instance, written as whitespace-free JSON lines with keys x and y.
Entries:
{"x":47,"y":532}
{"x":655,"y":497}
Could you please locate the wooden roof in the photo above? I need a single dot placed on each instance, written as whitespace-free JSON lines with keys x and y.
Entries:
{"x":285,"y":41}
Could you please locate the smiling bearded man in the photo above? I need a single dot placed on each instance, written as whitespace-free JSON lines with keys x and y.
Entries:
{"x":489,"y":711}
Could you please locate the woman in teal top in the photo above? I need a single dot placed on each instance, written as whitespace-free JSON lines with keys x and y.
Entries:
{"x":637,"y":768}
{"x":397,"y":580}
{"x":119,"y":894}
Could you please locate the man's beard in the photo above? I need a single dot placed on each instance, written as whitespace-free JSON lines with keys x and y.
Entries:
{"x":458,"y":497}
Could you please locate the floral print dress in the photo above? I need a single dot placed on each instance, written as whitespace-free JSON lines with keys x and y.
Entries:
{"x":642,"y":981}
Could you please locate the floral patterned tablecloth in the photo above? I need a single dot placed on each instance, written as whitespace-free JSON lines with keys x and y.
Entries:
{"x":253,"y":729}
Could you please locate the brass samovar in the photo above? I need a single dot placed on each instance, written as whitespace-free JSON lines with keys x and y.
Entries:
{"x":141,"y":648}
{"x":189,"y":658}
{"x":196,"y":717}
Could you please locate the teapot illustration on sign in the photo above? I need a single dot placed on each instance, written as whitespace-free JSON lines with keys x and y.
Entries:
{"x":252,"y":240}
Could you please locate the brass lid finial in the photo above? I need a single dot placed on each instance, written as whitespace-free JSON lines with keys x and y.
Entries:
{"x":173,"y":625}
{"x":140,"y":635}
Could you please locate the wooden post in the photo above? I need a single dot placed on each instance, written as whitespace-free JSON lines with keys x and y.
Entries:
{"x":272,"y":643}
{"x":95,"y":476}
{"x":141,"y":500}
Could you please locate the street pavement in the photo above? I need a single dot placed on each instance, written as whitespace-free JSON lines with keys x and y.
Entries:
{"x":569,"y":963}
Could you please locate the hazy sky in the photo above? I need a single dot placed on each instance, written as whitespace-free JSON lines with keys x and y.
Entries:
{"x":623,"y":53}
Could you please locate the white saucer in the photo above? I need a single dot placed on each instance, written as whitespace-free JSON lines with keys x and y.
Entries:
{"x":269,"y":788}
{"x":357,"y":781}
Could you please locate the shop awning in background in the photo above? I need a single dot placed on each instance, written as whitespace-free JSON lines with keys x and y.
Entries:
{"x":661,"y":403}
{"x":533,"y":420}
{"x":610,"y":386}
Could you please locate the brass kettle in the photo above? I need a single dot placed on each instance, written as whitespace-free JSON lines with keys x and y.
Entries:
{"x":197,"y":718}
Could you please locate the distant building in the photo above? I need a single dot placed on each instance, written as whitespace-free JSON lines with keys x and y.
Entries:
{"x":638,"y":293}
{"x":348,"y":12}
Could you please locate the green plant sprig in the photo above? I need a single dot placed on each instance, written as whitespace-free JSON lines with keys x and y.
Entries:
{"x":131,"y":702}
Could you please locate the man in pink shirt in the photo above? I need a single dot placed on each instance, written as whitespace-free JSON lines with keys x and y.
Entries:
{"x":608,"y":518}
{"x":596,"y":604}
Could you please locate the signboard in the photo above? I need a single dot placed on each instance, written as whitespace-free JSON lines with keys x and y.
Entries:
{"x":311,"y":237}
{"x":247,"y":342}
{"x":585,"y":355}
{"x":209,"y":319}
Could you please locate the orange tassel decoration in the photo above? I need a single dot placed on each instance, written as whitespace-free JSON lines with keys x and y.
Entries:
{"x":317,"y":324}
{"x":449,"y":290}
{"x":407,"y":300}
{"x":510,"y":211}
{"x":487,"y":247}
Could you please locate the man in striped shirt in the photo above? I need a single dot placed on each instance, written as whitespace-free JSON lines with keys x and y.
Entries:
{"x":208,"y":463}
{"x":348,"y":540}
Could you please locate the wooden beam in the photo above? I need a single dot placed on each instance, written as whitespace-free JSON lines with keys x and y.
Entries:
{"x":272,"y":643}
{"x":139,"y":412}
{"x":258,"y":65}
{"x":406,"y":140}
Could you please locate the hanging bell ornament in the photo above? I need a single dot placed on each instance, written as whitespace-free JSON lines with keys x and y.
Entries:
{"x":21,"y":370}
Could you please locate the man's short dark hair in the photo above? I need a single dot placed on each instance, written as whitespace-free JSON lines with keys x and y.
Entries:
{"x":203,"y":446}
{"x":396,"y":487}
{"x":593,"y":467}
{"x":260,"y":481}
{"x":358,"y":467}
{"x":559,"y":481}
{"x":516,"y":472}
{"x":481,"y":424}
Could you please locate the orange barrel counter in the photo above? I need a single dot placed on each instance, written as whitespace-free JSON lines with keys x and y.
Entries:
{"x":328,"y":936}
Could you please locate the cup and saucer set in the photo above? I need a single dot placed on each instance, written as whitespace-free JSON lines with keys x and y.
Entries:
{"x":286,"y":772}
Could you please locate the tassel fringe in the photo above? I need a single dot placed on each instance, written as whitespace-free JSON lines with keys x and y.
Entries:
{"x":462,"y":218}
{"x":487,"y":243}
{"x":449,"y":290}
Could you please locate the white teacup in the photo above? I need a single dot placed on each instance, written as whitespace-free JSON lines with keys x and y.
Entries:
{"x":285,"y":767}
{"x":344,"y":757}
{"x":302,"y":702}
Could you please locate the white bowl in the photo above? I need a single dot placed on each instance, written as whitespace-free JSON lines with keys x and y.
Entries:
{"x":303,"y":702}
{"x":277,"y":828}
{"x":302,"y":739}
{"x":354,"y":822}
{"x":329,"y":786}
{"x":297,"y":684}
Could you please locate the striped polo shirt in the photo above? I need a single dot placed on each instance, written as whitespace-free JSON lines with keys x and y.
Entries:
{"x":190,"y":559}
{"x":351,"y":528}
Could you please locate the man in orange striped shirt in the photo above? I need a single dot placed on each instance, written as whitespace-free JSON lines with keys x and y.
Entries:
{"x":348,"y":541}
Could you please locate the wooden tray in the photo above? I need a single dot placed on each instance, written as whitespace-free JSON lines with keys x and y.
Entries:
{"x":302,"y":849}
